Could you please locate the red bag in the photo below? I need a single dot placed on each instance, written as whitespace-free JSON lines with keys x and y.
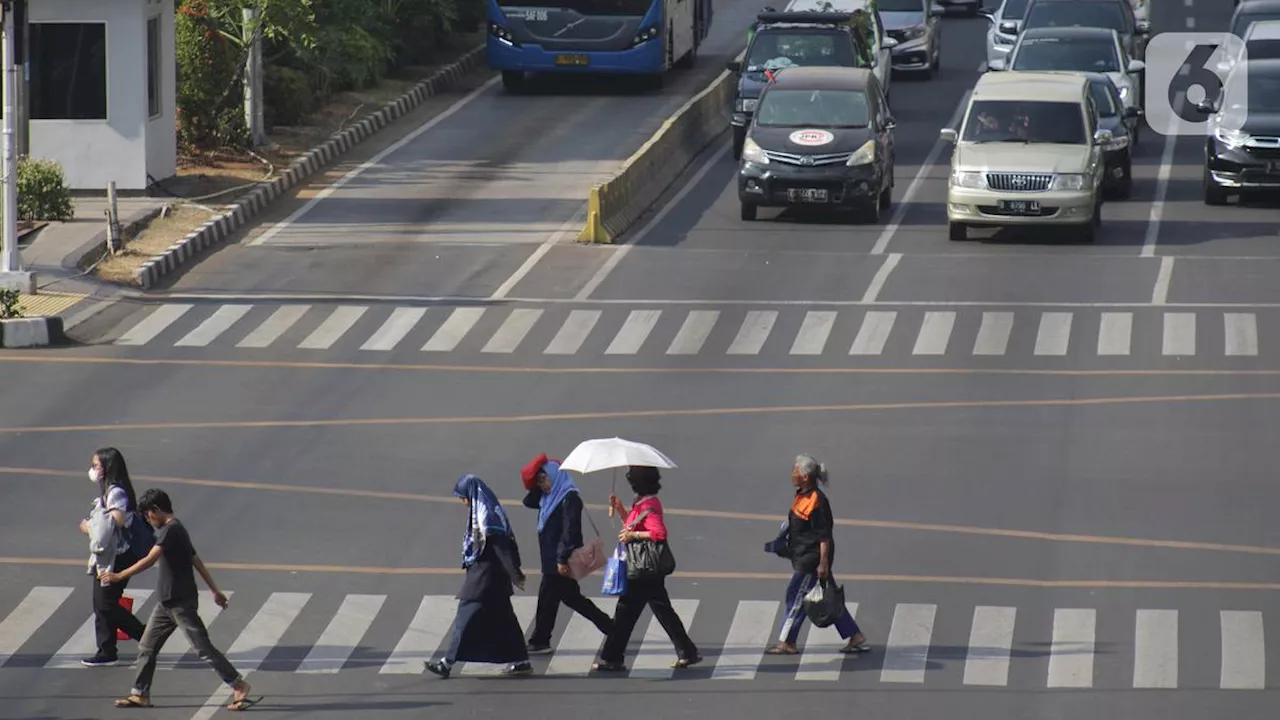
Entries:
{"x":126,"y":602}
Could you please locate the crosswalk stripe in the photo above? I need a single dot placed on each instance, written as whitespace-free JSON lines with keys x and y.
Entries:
{"x":34,"y":610}
{"x":748,"y":637}
{"x":512,"y":332}
{"x":1244,"y":660}
{"x":218,"y":323}
{"x":993,"y":333}
{"x":814,"y":332}
{"x":256,"y":641}
{"x":906,"y":653}
{"x":753,"y":333}
{"x":573,"y":332}
{"x":1054,"y":334}
{"x":84,"y":642}
{"x":1071,"y":653}
{"x":1180,"y":334}
{"x":820,"y":657}
{"x":154,"y":324}
{"x":1155,"y":643}
{"x":874,"y":332}
{"x":423,"y":637}
{"x":634,"y":332}
{"x":1241,"y":334}
{"x":273,"y":327}
{"x":578,"y":646}
{"x":935,"y":333}
{"x":401,"y":323}
{"x":178,"y":645}
{"x":335,"y":326}
{"x":525,"y":608}
{"x":460,"y":322}
{"x":693,"y":333}
{"x":343,"y":634}
{"x":1114,"y":333}
{"x":655,"y":656}
{"x":990,"y":642}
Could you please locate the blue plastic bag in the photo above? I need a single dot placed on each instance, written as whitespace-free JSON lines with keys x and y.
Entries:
{"x":615,"y":573}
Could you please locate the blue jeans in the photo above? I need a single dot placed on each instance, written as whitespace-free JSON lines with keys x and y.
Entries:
{"x":800,"y":585}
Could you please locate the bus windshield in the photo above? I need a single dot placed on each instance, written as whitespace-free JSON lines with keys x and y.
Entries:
{"x":625,"y":8}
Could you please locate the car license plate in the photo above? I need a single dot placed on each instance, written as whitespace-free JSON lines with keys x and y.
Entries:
{"x":1273,"y":167}
{"x":574,"y":60}
{"x":812,"y":195}
{"x":1020,"y":207}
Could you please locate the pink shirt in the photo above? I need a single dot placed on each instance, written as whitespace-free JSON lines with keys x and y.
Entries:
{"x":653,"y":523}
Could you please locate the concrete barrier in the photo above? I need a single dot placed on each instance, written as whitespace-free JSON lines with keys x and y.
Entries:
{"x":31,"y":332}
{"x":614,"y":205}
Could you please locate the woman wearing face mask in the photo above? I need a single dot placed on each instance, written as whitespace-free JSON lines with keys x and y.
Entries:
{"x":113,"y":513}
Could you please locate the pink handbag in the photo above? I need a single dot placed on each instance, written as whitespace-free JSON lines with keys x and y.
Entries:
{"x":590,"y":557}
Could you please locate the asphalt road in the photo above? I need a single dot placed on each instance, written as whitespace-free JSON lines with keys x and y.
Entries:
{"x":1051,"y":462}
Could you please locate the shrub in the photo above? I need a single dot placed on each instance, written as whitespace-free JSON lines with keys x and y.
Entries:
{"x":207,"y":73}
{"x":42,"y":191}
{"x":286,"y":95}
{"x":9,"y":304}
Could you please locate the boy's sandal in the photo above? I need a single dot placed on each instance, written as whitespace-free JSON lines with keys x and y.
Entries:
{"x":244,"y":704}
{"x":133,"y":701}
{"x":780,"y":650}
{"x":609,"y":667}
{"x":686,"y":662}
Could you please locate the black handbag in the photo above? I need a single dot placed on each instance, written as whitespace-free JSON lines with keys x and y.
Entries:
{"x":825,"y":603}
{"x":648,"y":559}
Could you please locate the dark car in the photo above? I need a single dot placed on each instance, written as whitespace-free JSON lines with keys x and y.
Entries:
{"x":821,"y":137}
{"x":1242,"y":152}
{"x":1123,"y":123}
{"x":1111,"y":14}
{"x":1252,"y":11}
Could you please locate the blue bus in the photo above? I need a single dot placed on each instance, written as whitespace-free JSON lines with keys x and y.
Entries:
{"x":624,"y":37}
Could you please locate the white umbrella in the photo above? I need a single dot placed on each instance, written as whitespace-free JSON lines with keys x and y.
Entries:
{"x":609,"y":453}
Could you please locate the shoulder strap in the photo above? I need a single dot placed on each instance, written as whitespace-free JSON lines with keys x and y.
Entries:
{"x":639,"y":519}
{"x":593,"y":522}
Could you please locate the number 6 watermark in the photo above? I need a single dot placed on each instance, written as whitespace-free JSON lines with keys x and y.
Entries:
{"x":1185,"y":69}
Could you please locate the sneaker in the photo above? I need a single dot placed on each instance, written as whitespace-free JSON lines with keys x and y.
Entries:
{"x":535,"y":649}
{"x":99,"y":661}
{"x":517,"y":669}
{"x":438,"y":667}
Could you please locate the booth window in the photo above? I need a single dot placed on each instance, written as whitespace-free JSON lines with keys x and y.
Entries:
{"x":68,"y":71}
{"x":153,"y":67}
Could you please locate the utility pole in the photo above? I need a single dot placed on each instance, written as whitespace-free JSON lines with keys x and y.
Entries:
{"x":11,"y":275}
{"x":253,"y":114}
{"x":22,"y":41}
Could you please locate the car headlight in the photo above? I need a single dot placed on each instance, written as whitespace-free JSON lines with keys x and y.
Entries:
{"x":912,"y":33}
{"x":745,"y":105}
{"x":969,"y":179}
{"x":1072,"y":181}
{"x":864,"y":155}
{"x":1230,"y":138}
{"x":753,"y":153}
{"x":1117,"y":143}
{"x":1004,"y":39}
{"x":644,"y":36}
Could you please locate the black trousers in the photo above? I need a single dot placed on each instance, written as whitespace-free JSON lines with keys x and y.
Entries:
{"x":108,"y":615}
{"x":556,"y":589}
{"x":640,"y":593}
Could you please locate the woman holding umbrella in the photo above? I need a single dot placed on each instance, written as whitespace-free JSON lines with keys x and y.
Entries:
{"x":486,"y":629}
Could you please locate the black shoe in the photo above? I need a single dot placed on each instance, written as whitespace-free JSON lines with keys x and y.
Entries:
{"x":535,"y":649}
{"x":438,"y":667}
{"x":518,"y":669}
{"x":100,"y":660}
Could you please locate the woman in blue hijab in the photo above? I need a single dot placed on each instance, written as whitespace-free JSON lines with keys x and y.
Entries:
{"x":486,"y":629}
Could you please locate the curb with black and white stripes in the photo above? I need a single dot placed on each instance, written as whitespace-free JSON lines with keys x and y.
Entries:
{"x":222,"y":227}
{"x":31,"y":332}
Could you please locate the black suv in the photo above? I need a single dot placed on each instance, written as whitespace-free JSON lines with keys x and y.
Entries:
{"x":1110,"y":14}
{"x":1242,"y":152}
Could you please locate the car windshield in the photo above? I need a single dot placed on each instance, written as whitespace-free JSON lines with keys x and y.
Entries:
{"x":813,"y":108}
{"x":1013,"y":9}
{"x":1075,"y":54}
{"x":774,"y":50}
{"x":1268,"y":49}
{"x":1103,"y":99}
{"x":1264,"y":94}
{"x":900,"y":6}
{"x":1024,"y":121}
{"x":1076,"y":14}
{"x":1245,"y":20}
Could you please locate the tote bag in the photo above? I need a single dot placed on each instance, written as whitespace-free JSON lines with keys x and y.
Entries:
{"x":590,"y":557}
{"x":615,"y":573}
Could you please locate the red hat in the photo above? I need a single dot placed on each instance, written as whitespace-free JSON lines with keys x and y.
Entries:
{"x":530,"y":471}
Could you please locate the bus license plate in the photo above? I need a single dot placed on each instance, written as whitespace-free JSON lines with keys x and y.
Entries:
{"x":573,"y":60}
{"x":1020,"y":207}
{"x":811,"y":195}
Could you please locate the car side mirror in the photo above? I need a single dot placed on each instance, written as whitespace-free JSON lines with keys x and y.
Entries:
{"x":948,"y":135}
{"x":1144,"y":27}
{"x":1133,"y":112}
{"x":733,"y":66}
{"x":997,"y":65}
{"x":889,"y":43}
{"x":937,"y":10}
{"x":1009,"y":28}
{"x":1137,"y":66}
{"x":988,"y":14}
{"x":890,"y":123}
{"x":1206,"y":107}
{"x":1102,"y":137}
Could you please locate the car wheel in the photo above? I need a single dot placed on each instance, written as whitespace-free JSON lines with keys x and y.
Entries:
{"x":1124,"y":189}
{"x":1213,"y":193}
{"x":513,"y":81}
{"x":958,"y":232}
{"x":739,"y":137}
{"x":748,"y":212}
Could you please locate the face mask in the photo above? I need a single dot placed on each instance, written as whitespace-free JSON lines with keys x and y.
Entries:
{"x":95,"y":475}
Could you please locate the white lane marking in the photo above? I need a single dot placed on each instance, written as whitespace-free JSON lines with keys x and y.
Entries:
{"x":1244,"y":658}
{"x":1191,"y":23}
{"x":748,"y":636}
{"x":820,"y":656}
{"x":83,"y":642}
{"x":1160,"y":293}
{"x":573,"y":332}
{"x":273,"y":327}
{"x":334,"y":327}
{"x":371,"y":162}
{"x":1241,"y":334}
{"x":874,"y":333}
{"x":343,"y":634}
{"x":570,"y":226}
{"x":514,"y":328}
{"x":1054,"y":334}
{"x":154,"y":324}
{"x":401,"y":323}
{"x":655,"y":656}
{"x":423,"y":637}
{"x":1162,"y":183}
{"x":814,"y":332}
{"x":1114,"y":333}
{"x":218,"y":323}
{"x":993,"y":333}
{"x":1188,"y":3}
{"x":33,"y":612}
{"x":881,"y":277}
{"x":990,"y":642}
{"x":621,"y":251}
{"x":178,"y":645}
{"x":693,"y":333}
{"x":904,"y":203}
{"x":1155,"y":655}
{"x":634,"y":332}
{"x":935,"y":332}
{"x":577,"y":648}
{"x":753,"y":333}
{"x":1179,"y":334}
{"x":906,"y":653}
{"x":460,"y":322}
{"x":1071,"y":653}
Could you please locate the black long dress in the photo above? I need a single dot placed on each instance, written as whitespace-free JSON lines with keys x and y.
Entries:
{"x":486,"y":628}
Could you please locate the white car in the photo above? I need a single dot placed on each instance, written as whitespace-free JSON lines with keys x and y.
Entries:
{"x":1077,"y":49}
{"x":1003,"y":25}
{"x":1261,"y":42}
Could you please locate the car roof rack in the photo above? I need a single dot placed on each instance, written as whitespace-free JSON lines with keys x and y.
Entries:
{"x":804,"y":18}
